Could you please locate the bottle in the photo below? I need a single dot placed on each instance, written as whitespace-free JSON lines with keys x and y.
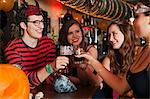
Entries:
{"x":95,"y":38}
{"x":85,"y":20}
{"x":92,"y":22}
{"x":89,"y":37}
{"x":82,"y":21}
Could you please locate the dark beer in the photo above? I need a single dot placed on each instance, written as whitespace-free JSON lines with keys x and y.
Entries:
{"x":77,"y":51}
{"x":66,"y":51}
{"x":78,"y":60}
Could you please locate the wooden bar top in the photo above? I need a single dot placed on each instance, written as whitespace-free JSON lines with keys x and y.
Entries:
{"x":84,"y":92}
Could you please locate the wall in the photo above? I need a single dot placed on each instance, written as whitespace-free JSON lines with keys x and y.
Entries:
{"x":54,"y":10}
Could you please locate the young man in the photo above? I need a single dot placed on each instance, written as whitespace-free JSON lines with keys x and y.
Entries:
{"x":36,"y":54}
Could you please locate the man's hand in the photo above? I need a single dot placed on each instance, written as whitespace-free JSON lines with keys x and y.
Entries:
{"x":61,"y":62}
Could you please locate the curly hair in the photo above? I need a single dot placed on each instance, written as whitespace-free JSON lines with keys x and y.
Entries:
{"x":122,"y":58}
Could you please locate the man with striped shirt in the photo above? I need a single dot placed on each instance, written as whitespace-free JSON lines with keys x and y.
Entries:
{"x":36,"y":54}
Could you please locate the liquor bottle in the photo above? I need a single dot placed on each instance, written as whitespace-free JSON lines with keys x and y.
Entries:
{"x":89,"y":37}
{"x":82,"y":21}
{"x":95,"y":37}
{"x":92,"y":21}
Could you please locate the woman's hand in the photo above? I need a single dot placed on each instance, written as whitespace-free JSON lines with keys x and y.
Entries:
{"x":90,"y":60}
{"x":86,"y":56}
{"x":61,"y":62}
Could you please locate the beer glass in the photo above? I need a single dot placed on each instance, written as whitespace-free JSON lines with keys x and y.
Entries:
{"x":77,"y":51}
{"x":66,"y":51}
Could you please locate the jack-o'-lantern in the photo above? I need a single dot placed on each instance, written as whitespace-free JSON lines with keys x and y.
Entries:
{"x":14,"y":83}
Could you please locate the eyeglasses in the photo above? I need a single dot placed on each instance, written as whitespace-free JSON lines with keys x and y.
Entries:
{"x":37,"y":22}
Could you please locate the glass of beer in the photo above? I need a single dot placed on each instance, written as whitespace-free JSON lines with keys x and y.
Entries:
{"x":77,"y":51}
{"x":66,"y":51}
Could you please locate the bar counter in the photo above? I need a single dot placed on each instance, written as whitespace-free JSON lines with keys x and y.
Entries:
{"x":84,"y":92}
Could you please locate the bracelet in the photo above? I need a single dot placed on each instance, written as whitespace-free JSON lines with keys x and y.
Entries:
{"x":17,"y":65}
{"x":49,"y":69}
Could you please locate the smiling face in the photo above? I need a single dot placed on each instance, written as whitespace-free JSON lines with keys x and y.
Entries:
{"x":74,"y":35}
{"x":35,"y":26}
{"x":116,"y":37}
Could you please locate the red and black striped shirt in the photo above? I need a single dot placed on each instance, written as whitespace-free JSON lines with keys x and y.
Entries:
{"x":32,"y":59}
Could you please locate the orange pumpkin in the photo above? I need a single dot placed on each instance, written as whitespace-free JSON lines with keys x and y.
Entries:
{"x":14,"y":83}
{"x":6,"y":5}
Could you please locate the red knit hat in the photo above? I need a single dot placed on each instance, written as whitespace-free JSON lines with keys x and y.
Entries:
{"x":32,"y":10}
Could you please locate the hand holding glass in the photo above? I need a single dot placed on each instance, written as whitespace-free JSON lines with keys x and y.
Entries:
{"x":66,"y":51}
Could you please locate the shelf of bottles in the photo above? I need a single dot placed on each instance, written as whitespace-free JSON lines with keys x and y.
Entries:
{"x":94,"y":35}
{"x":90,"y":30}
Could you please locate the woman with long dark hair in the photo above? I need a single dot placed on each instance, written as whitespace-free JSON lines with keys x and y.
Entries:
{"x":72,"y":33}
